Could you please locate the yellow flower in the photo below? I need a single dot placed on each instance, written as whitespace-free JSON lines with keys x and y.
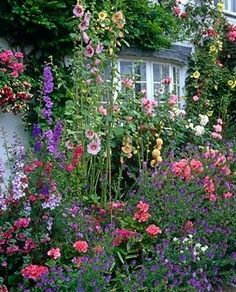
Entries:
{"x":102,"y":15}
{"x":120,"y":24}
{"x":127,"y":149}
{"x":213,"y":49}
{"x":159,"y":142}
{"x":196,"y":74}
{"x":117,"y":17}
{"x":156,"y":153}
{"x":220,"y":6}
{"x":232,"y":83}
{"x":154,"y":163}
{"x":210,"y":113}
{"x":159,"y":159}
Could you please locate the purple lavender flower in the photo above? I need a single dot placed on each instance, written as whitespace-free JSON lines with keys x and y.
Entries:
{"x":47,"y":90}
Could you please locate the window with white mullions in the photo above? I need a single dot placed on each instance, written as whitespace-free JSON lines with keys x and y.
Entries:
{"x":136,"y":71}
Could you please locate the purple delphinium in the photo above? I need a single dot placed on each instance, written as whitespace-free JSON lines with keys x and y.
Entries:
{"x":47,"y":90}
{"x":53,"y":139}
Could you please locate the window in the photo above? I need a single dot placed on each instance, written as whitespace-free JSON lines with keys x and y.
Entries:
{"x":156,"y":77}
{"x":229,"y":5}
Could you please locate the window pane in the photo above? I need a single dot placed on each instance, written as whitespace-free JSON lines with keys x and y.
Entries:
{"x":139,"y":87}
{"x":165,"y":71}
{"x":126,"y":68}
{"x":226,"y":4}
{"x":233,"y":5}
{"x":156,"y":72}
{"x":140,"y":71}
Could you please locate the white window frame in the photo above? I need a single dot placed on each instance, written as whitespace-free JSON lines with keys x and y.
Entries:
{"x":149,"y":75}
{"x":229,"y":5}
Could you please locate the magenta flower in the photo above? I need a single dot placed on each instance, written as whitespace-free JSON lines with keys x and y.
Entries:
{"x":83,"y":25}
{"x":78,"y":10}
{"x":89,"y":51}
{"x":94,"y":146}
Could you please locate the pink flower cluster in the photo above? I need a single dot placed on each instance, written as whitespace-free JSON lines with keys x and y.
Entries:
{"x":123,"y":235}
{"x":210,"y":32}
{"x":231,"y":33}
{"x":173,"y":100}
{"x":142,"y":214}
{"x":34,"y":272}
{"x":153,"y":230}
{"x":149,"y":105}
{"x":186,"y":169}
{"x":209,"y":187}
{"x":81,"y":246}
{"x":22,"y":223}
{"x":217,"y":130}
{"x":11,"y":62}
{"x":127,"y":83}
{"x":166,"y":80}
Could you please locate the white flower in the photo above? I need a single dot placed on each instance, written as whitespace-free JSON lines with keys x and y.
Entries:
{"x":175,"y":239}
{"x":204,"y":248}
{"x":198,"y":245}
{"x":199,"y":130}
{"x":203,"y":120}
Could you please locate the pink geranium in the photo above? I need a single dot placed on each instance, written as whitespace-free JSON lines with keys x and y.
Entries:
{"x":22,"y":223}
{"x":81,"y":246}
{"x":34,"y":272}
{"x":153,"y":230}
{"x":54,"y":253}
{"x":227,"y":195}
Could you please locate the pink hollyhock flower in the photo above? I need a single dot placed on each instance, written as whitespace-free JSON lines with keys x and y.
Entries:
{"x":218,"y":128}
{"x":89,"y":51}
{"x":227,"y":195}
{"x":86,"y":38}
{"x":89,"y":134}
{"x":22,"y":223}
{"x":81,"y":246}
{"x":166,"y":80}
{"x":173,"y":100}
{"x":196,"y":166}
{"x":34,"y":272}
{"x":216,"y":136}
{"x":195,"y":98}
{"x":153,"y":230}
{"x":54,"y":253}
{"x":83,"y":25}
{"x":219,"y":121}
{"x":102,"y":111}
{"x":87,"y":17}
{"x":127,"y":83}
{"x":99,"y":49}
{"x":99,"y":79}
{"x":94,"y":147}
{"x":78,"y":10}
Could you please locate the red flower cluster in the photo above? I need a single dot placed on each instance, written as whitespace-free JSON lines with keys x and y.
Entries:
{"x":123,"y":235}
{"x":153,"y":230}
{"x":77,"y":154}
{"x":34,"y":272}
{"x":142,"y":214}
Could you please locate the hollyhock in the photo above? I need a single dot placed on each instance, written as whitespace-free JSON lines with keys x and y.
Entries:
{"x":78,"y":10}
{"x":153,"y":230}
{"x":89,"y":51}
{"x":216,"y":136}
{"x":34,"y":272}
{"x":94,"y":146}
{"x":173,"y":100}
{"x":81,"y":246}
{"x":127,"y":83}
{"x":86,"y":38}
{"x":54,"y":253}
{"x":99,"y":49}
{"x":83,"y":25}
{"x":89,"y":134}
